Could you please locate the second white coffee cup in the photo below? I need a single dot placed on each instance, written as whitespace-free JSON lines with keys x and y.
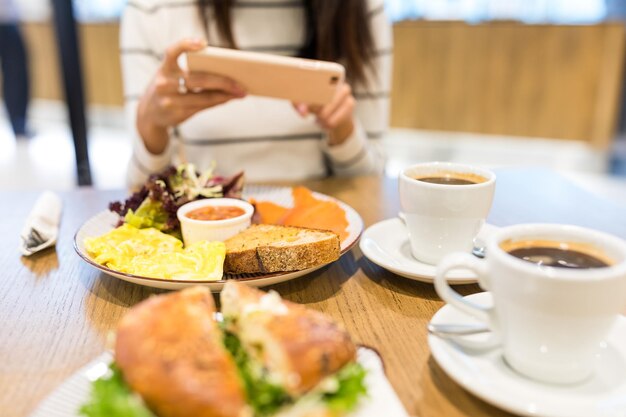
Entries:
{"x":550,"y":320}
{"x":444,"y":206}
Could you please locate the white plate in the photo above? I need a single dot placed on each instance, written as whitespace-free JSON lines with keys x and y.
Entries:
{"x":386,"y":243}
{"x":105,"y":221}
{"x":486,"y":375}
{"x":67,"y":399}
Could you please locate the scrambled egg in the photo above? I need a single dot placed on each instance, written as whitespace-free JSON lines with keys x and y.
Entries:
{"x":154,"y":254}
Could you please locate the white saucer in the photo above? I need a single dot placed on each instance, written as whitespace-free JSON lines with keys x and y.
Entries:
{"x":486,"y":375}
{"x":386,"y":243}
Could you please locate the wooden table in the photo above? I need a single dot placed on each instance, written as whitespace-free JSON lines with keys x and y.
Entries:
{"x":56,"y":311}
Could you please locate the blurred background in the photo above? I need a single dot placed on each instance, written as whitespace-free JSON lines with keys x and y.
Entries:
{"x":491,"y":82}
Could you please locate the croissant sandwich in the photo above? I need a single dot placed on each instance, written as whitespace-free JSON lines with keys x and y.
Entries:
{"x":267,"y":357}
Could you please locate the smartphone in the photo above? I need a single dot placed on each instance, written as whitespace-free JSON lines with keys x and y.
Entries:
{"x":297,"y":79}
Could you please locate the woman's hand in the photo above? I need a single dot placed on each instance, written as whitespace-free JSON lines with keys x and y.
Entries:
{"x":335,"y":117}
{"x":168,"y":101}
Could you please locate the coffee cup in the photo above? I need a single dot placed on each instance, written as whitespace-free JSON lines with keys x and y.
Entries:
{"x":557,"y":291}
{"x":444,"y":205}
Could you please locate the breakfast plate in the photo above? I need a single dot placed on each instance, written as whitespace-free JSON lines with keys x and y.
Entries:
{"x":105,"y":221}
{"x":67,"y":399}
{"x":386,"y":243}
{"x":486,"y":374}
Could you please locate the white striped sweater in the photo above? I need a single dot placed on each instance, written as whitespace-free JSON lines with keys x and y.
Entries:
{"x":264,"y":137}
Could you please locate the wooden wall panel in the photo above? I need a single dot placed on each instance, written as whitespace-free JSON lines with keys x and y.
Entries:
{"x":43,"y":61}
{"x":499,"y":78}
{"x":508,"y":78}
{"x":100,"y":58}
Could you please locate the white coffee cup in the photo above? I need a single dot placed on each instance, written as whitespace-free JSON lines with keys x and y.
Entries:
{"x":550,"y":321}
{"x":444,"y":218}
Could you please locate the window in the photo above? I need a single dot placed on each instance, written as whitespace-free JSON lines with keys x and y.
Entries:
{"x":529,"y":11}
{"x":101,"y":10}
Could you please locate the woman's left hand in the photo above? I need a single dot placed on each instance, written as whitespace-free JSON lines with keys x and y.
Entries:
{"x":335,"y":117}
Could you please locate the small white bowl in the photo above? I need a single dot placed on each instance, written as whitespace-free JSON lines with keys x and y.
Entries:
{"x":213,"y":230}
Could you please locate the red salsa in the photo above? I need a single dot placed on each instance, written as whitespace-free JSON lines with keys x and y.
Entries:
{"x":215,"y":213}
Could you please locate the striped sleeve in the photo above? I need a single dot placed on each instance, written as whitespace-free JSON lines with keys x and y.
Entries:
{"x":140,"y":61}
{"x":361,"y":153}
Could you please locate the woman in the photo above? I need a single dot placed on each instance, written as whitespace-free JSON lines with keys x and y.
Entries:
{"x":202,"y":118}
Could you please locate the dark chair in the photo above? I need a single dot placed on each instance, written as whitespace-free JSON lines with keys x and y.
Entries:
{"x":69,"y":57}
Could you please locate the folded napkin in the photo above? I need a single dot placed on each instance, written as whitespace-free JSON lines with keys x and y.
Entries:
{"x":42,"y":224}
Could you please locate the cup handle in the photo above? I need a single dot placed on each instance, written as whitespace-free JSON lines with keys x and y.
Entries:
{"x":447,"y":294}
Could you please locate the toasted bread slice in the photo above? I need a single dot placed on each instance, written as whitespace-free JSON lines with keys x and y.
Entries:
{"x":272,"y":248}
{"x":170,"y":351}
{"x":297,"y":346}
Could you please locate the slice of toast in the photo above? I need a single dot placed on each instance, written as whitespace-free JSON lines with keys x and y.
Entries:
{"x":265,"y":248}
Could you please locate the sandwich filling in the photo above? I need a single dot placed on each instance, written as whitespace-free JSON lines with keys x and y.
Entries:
{"x":340,"y":393}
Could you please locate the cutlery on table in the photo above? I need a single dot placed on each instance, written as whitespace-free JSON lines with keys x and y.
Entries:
{"x":454,"y":330}
{"x":41,"y":228}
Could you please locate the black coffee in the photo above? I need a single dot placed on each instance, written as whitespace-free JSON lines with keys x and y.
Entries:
{"x":558,"y":257}
{"x":451,"y":178}
{"x":446,"y":180}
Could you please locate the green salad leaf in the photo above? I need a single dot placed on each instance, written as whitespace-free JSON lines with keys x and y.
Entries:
{"x":351,"y":381}
{"x":111,"y":397}
{"x":160,"y":197}
{"x":149,"y":214}
{"x":187,"y":184}
{"x":264,"y":397}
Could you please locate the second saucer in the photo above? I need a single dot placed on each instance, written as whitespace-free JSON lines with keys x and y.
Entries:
{"x":386,"y":243}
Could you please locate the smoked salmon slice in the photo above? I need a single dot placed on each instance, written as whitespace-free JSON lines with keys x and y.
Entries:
{"x":307,"y":211}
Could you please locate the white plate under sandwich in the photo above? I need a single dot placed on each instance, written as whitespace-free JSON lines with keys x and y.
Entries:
{"x":381,"y":400}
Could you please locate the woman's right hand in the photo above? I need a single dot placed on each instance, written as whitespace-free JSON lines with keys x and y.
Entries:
{"x":163,"y":104}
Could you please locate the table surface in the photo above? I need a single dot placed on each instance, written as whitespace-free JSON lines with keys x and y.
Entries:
{"x":56,"y":311}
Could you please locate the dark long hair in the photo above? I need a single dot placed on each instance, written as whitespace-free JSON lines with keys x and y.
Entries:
{"x":336,"y":30}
